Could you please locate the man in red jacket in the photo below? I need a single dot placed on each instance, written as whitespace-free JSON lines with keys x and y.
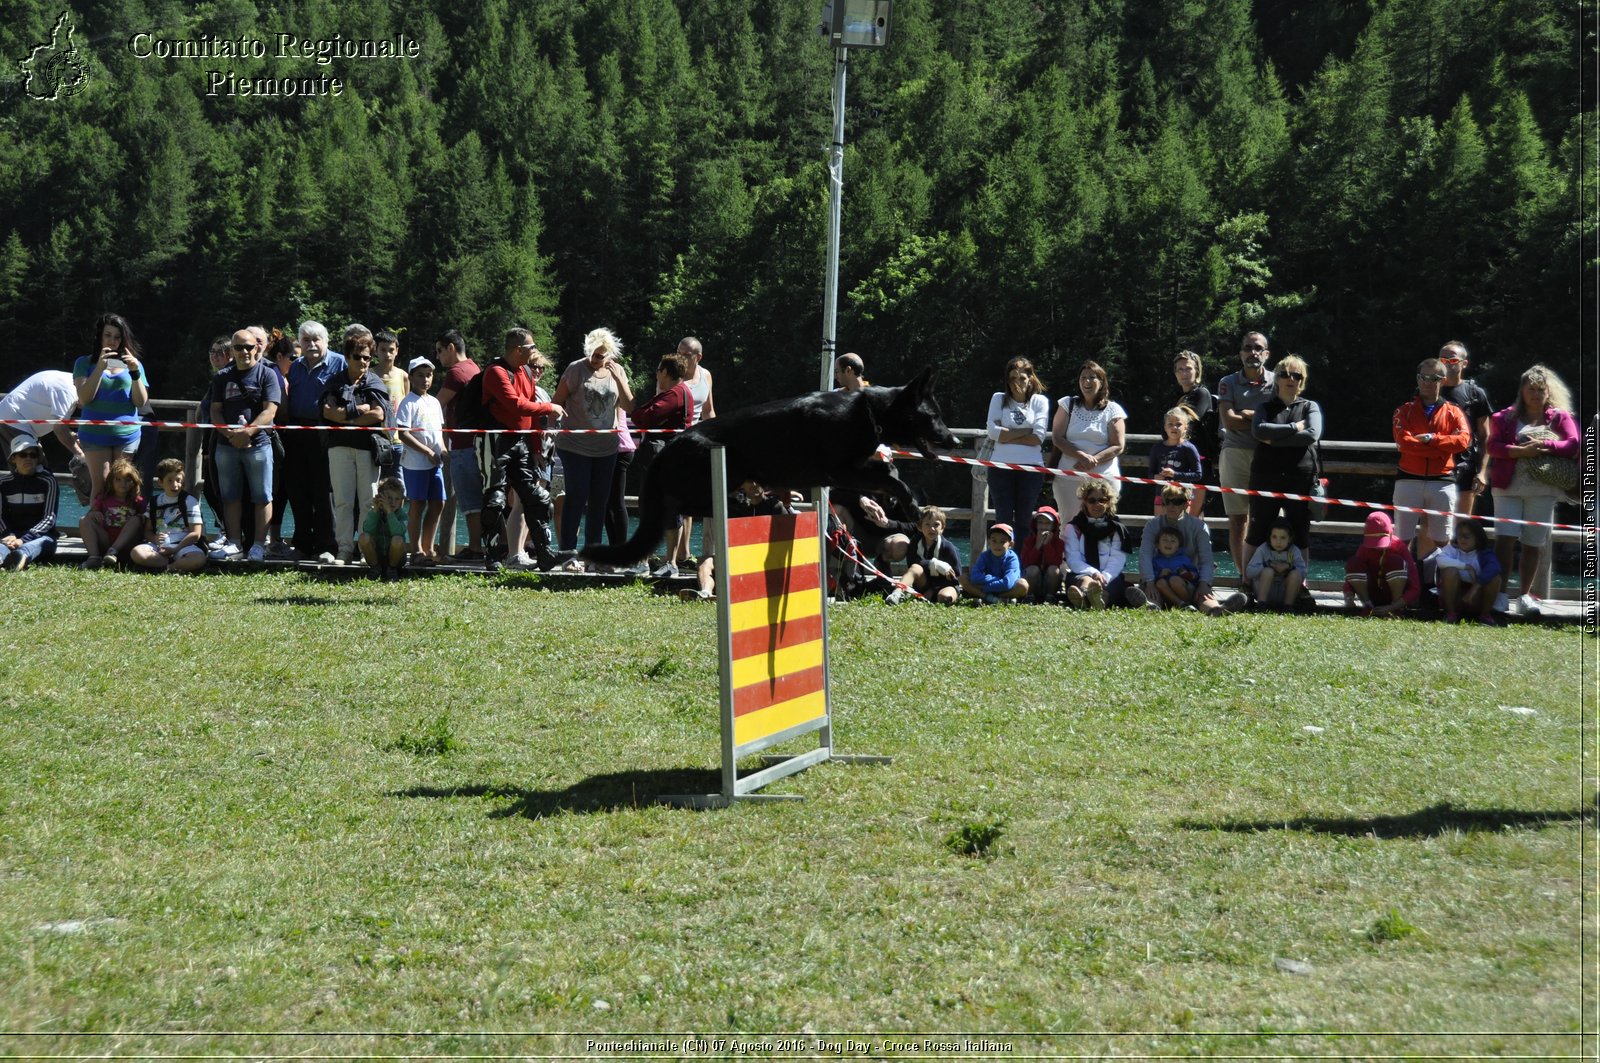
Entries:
{"x":1430,"y":433}
{"x":510,"y":397}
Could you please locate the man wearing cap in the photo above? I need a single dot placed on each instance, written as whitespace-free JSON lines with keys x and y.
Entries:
{"x":1237,"y":398}
{"x":996,"y":573}
{"x":1430,"y":432}
{"x":1381,"y":576}
{"x":1472,"y":464}
{"x":419,"y":422}
{"x":27,"y":506}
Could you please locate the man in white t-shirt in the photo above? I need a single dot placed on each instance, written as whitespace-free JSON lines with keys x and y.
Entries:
{"x":46,"y":396}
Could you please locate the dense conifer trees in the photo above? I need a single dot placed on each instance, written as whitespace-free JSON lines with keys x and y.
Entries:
{"x":1065,"y":179}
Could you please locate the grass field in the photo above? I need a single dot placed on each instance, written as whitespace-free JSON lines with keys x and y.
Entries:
{"x":260,"y":814}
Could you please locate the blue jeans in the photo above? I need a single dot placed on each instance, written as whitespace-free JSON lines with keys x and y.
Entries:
{"x":588,"y":492}
{"x":1014,"y":496}
{"x":235,"y":468}
{"x":33,"y":549}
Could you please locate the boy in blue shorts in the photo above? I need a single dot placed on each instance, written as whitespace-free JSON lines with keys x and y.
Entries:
{"x":420,"y":420}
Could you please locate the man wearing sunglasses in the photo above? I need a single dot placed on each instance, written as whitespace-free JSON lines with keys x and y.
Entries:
{"x":244,"y":399}
{"x":1472,"y":465}
{"x":1237,"y":398}
{"x":1430,"y":431}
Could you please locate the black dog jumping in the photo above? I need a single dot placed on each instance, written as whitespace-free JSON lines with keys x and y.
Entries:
{"x":824,"y":439}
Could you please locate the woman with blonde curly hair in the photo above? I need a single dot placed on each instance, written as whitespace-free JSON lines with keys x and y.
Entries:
{"x":594,"y":392}
{"x":1531,"y":443}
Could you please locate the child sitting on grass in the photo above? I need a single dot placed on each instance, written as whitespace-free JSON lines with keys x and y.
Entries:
{"x":1381,"y":576}
{"x":996,"y":574}
{"x":116,"y":517}
{"x":933,"y":568}
{"x":1277,"y":570}
{"x":383,"y":530}
{"x":1468,"y":575}
{"x":175,"y":523}
{"x":1044,"y":555}
{"x":1176,"y":574}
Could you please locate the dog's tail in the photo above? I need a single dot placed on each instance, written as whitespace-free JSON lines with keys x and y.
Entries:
{"x":652,"y":523}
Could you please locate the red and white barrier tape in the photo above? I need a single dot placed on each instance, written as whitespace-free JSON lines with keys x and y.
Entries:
{"x":953,"y":459}
{"x":1353,"y":503}
{"x":348,"y":427}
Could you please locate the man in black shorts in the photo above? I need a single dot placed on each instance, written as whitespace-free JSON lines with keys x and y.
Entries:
{"x":1472,"y":464}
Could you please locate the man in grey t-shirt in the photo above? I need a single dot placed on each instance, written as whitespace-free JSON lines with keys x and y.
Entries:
{"x":1237,"y":398}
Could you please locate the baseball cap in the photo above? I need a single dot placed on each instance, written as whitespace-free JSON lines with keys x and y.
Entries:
{"x":22,"y":443}
{"x":1004,"y":529}
{"x":1379,"y":524}
{"x":418,"y":362}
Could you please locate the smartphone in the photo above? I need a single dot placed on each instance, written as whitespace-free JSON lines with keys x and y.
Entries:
{"x":114,"y":364}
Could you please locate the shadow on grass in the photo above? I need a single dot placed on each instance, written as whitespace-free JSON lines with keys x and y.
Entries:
{"x":598,"y":793}
{"x":1424,"y":823}
{"x":314,"y":600}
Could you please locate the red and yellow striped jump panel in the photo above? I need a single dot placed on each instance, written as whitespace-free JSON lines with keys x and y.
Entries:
{"x":775,"y":611}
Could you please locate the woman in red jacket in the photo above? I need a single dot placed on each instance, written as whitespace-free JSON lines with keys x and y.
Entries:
{"x":1537,"y":425}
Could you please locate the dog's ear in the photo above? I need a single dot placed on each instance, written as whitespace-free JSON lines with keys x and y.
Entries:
{"x":922,"y":383}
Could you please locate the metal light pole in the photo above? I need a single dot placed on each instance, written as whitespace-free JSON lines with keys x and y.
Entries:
{"x":849,"y":24}
{"x":830,"y":291}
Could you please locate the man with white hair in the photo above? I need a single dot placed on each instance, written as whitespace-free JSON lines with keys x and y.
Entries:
{"x":305,"y":476}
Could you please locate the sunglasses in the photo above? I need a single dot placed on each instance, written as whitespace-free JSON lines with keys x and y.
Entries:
{"x":1097,"y":501}
{"x":1284,"y":374}
{"x":244,"y":346}
{"x":1451,"y":361}
{"x":1430,"y":377}
{"x":1174,"y":501}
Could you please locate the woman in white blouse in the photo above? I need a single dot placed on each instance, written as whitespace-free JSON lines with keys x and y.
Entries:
{"x":1090,"y":431}
{"x":1019,"y":423}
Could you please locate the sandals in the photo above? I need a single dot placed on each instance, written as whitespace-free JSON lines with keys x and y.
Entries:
{"x":574,"y":565}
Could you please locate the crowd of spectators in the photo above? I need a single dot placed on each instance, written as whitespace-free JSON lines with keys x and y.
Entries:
{"x":389,"y":458}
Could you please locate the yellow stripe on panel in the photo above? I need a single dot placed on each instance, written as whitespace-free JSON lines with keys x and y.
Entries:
{"x":743,"y":616}
{"x":768,"y":666}
{"x":759,"y":557}
{"x":753,"y":726}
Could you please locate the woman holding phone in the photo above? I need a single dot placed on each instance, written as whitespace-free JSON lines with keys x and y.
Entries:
{"x":111,"y":387}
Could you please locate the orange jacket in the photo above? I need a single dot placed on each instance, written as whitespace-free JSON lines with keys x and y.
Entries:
{"x":1451,"y":435}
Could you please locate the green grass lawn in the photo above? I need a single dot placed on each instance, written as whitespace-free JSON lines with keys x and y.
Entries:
{"x":283,"y":812}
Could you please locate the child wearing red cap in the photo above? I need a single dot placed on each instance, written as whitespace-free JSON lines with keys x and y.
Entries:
{"x":1043,"y":555}
{"x":1382,"y":574}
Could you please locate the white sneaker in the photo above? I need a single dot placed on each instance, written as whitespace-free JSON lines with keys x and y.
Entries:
{"x":257,"y":553}
{"x":326,"y":558}
{"x":522,"y":560}
{"x":226,"y":550}
{"x":220,"y":541}
{"x":1530,"y":605}
{"x":1501,"y":605}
